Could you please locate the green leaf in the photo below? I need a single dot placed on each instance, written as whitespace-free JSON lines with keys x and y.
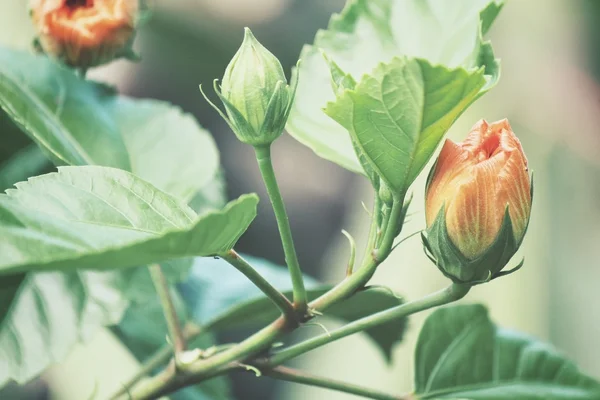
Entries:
{"x":461,"y":354}
{"x":222,"y":299}
{"x":27,"y":162}
{"x":79,"y":122}
{"x":50,"y":313}
{"x":105,"y":218}
{"x":143,"y":330}
{"x":399,"y":114}
{"x":76,"y":122}
{"x":369,"y":32}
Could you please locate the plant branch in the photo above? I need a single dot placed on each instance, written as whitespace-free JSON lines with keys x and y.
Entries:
{"x":263,"y":156}
{"x":451,"y":293}
{"x":155,"y":361}
{"x":173,"y":325}
{"x":372,"y":259}
{"x":293,"y":375}
{"x":282,"y":302}
{"x":201,"y":370}
{"x":254,"y":345}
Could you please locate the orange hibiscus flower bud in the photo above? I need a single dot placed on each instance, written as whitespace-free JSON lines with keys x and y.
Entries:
{"x":477,"y":203}
{"x":85,"y":33}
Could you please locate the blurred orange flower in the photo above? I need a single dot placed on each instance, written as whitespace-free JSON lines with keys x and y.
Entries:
{"x":84,"y":33}
{"x":476,"y":181}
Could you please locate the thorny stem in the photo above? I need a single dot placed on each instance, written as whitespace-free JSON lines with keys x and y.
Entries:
{"x":451,"y":293}
{"x":155,"y":361}
{"x":249,"y":350}
{"x":359,"y":278}
{"x":263,"y":156}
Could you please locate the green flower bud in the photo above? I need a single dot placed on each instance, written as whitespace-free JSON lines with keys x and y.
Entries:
{"x":255,"y":94}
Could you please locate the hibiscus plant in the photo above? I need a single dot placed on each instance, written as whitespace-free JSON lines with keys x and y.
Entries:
{"x":110,"y":240}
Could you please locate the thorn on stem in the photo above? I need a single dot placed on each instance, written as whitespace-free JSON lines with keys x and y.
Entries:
{"x":366,"y":209}
{"x":321,"y":326}
{"x":351,"y":261}
{"x":406,"y":238}
{"x":252,"y":368}
{"x":314,"y":312}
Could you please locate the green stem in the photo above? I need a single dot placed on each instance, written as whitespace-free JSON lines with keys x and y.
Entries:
{"x":263,"y":156}
{"x":173,"y":325}
{"x":155,"y":361}
{"x":282,"y":302}
{"x":374,"y":228}
{"x":205,"y":369}
{"x":292,"y":375}
{"x":359,"y":278}
{"x":262,"y":340}
{"x":451,"y":293}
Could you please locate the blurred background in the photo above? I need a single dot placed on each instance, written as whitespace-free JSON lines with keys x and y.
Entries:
{"x":550,"y":92}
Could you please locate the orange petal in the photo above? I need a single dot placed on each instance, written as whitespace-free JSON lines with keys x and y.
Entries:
{"x":473,"y":219}
{"x":516,"y":191}
{"x":451,"y":160}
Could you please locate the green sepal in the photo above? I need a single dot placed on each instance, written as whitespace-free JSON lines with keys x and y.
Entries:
{"x":275,"y":117}
{"x":455,"y":266}
{"x":402,"y":217}
{"x":240,"y":126}
{"x":295,"y":79}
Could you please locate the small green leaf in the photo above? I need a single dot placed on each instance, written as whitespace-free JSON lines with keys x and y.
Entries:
{"x":221,"y":299}
{"x":105,"y":218}
{"x":399,"y":114}
{"x":369,"y":32}
{"x":78,"y":122}
{"x":461,"y":354}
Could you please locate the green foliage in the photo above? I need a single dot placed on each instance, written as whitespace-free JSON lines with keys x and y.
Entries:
{"x":461,"y":354}
{"x":27,"y":162}
{"x":105,"y":218}
{"x":49,"y":313}
{"x":399,"y":114}
{"x":75,"y":121}
{"x":90,"y":217}
{"x":369,"y":32}
{"x":220,"y":299}
{"x":78,"y":122}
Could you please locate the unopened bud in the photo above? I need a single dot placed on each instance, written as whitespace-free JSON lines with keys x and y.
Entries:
{"x":85,"y":33}
{"x":255,"y":93}
{"x":478,"y":203}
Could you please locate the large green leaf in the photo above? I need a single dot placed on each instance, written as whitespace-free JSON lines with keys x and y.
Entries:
{"x":79,"y":122}
{"x":461,"y":354}
{"x":89,"y":217}
{"x":27,"y":162}
{"x":399,"y":114}
{"x":50,"y":313}
{"x":368,"y":32}
{"x":105,"y":218}
{"x":221,"y":299}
